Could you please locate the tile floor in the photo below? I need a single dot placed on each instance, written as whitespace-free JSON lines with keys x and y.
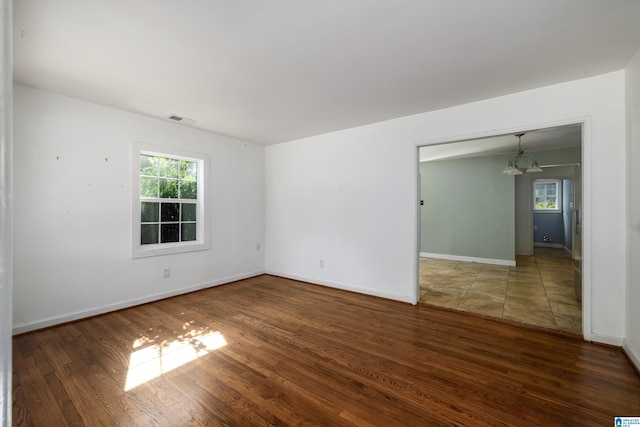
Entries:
{"x":538,"y":291}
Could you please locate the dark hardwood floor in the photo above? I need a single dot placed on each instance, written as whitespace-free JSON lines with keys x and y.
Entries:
{"x":272,"y":351}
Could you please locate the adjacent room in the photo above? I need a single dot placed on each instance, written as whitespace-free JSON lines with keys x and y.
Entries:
{"x":498,"y":240}
{"x":319,"y":213}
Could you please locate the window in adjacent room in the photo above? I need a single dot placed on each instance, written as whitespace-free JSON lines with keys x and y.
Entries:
{"x":546,"y":195}
{"x":169,"y":214}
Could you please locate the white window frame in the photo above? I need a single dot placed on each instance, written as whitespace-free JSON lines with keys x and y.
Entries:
{"x":202,"y":213}
{"x":558,"y":183}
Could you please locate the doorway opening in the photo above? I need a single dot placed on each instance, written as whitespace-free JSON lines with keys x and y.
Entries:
{"x":482,"y":241}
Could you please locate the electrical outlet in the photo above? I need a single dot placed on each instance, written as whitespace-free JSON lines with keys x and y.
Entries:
{"x":166,"y":273}
{"x":321,"y":263}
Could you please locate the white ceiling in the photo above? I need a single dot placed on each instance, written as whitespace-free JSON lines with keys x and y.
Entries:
{"x":275,"y":70}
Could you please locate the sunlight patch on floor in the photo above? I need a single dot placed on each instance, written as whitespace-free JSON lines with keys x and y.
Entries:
{"x":155,"y":360}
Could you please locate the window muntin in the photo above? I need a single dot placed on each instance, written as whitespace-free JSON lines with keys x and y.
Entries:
{"x":169,"y":199}
{"x":546,"y":194}
{"x":169,"y":207}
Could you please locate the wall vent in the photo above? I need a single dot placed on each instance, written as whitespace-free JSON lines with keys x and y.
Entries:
{"x":182,"y":120}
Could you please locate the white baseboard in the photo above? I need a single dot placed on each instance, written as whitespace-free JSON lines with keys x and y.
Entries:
{"x":604,"y":339}
{"x":506,"y":262}
{"x":550,"y":245}
{"x":632,"y":353}
{"x":126,"y":304}
{"x":345,"y":287}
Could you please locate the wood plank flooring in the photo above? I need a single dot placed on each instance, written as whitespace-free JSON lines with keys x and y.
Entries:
{"x":272,"y":351}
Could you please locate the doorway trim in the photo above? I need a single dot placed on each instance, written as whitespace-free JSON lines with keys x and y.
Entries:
{"x":586,"y":169}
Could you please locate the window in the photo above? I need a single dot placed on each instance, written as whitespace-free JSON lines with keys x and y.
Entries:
{"x":169,"y":214}
{"x":546,"y":194}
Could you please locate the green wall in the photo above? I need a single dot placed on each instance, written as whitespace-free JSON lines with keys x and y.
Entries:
{"x":468,"y":208}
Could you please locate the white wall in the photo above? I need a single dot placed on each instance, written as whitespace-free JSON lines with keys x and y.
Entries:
{"x":350,"y":197}
{"x":72,"y":208}
{"x":632,"y":339}
{"x":343,"y":198}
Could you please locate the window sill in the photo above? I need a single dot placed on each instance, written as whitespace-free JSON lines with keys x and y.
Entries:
{"x":168,"y":249}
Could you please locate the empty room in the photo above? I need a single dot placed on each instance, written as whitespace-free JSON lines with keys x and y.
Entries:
{"x":354,"y":213}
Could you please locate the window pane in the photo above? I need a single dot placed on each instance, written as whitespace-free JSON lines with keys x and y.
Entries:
{"x":148,"y":234}
{"x":168,"y":188}
{"x":148,"y":187}
{"x":188,"y":212}
{"x":169,"y":168}
{"x":168,"y":233}
{"x":188,"y":170}
{"x":149,"y":212}
{"x":169,"y":212}
{"x":188,"y":232}
{"x":167,"y":201}
{"x":188,"y":190}
{"x":546,"y":195}
{"x":148,"y":165}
